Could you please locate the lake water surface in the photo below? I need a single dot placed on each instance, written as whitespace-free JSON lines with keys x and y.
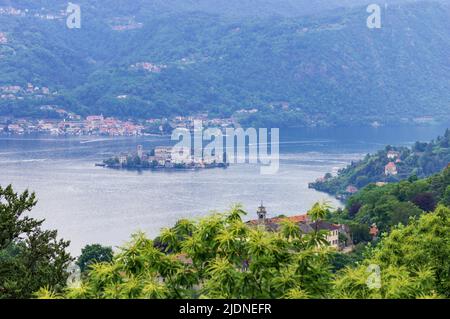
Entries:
{"x":90,"y":204}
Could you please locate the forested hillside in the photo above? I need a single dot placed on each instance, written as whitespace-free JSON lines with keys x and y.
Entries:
{"x":395,"y":203}
{"x":149,"y":60}
{"x":391,"y":164}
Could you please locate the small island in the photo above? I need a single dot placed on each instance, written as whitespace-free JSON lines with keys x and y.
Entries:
{"x":161,"y":158}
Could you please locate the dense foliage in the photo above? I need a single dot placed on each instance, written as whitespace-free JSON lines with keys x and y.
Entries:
{"x":218,"y":257}
{"x":92,"y":254}
{"x":414,"y":261}
{"x":30,"y":257}
{"x":393,"y":204}
{"x":222,"y":257}
{"x":322,"y":70}
{"x":422,"y":160}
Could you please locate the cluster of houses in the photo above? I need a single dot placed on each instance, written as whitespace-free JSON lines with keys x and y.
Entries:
{"x":390,"y":169}
{"x":124,"y":23}
{"x":99,"y":125}
{"x":149,"y":67}
{"x":92,"y":125}
{"x":117,"y":24}
{"x":41,"y":13}
{"x":10,"y":11}
{"x":13,"y":92}
{"x":246,"y":112}
{"x":338,"y":236}
{"x":72,"y":124}
{"x":188,"y":121}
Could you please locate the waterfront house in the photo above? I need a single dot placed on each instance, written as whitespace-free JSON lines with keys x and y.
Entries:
{"x":390,"y":169}
{"x":351,"y":189}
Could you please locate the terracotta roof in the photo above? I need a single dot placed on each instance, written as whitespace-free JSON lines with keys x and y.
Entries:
{"x":277,"y":220}
{"x":351,"y":189}
{"x":324,"y":225}
{"x":305,"y":225}
{"x":373,"y":230}
{"x":294,"y":219}
{"x":390,"y":165}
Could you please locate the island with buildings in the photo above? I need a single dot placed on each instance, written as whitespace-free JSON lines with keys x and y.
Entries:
{"x":162,"y":157}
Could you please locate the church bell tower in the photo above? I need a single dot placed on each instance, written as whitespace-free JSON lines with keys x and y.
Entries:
{"x":261,"y":214}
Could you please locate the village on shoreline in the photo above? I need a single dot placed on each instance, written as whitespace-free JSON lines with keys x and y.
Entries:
{"x":71,"y":124}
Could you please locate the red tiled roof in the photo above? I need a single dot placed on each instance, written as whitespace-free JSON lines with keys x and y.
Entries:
{"x":390,"y":165}
{"x":373,"y":231}
{"x":277,"y":220}
{"x":351,"y":189}
{"x":294,"y":219}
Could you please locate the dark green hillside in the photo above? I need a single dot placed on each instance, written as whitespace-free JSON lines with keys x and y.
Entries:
{"x":422,"y":160}
{"x":395,"y":203}
{"x":325,"y":69}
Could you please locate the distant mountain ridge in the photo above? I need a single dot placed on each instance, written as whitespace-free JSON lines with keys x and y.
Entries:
{"x":229,"y":8}
{"x":154,"y":59}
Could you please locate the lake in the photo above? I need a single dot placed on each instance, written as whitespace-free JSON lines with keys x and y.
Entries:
{"x":89,"y":204}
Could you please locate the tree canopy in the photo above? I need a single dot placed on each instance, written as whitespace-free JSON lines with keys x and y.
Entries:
{"x":220,"y":256}
{"x":30,"y":257}
{"x":94,"y":253}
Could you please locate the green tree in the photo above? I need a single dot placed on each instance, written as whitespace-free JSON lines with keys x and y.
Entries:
{"x":92,"y":254}
{"x":30,"y":257}
{"x":446,"y":197}
{"x":319,"y":211}
{"x":219,"y":256}
{"x":360,"y":233}
{"x":414,"y":262}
